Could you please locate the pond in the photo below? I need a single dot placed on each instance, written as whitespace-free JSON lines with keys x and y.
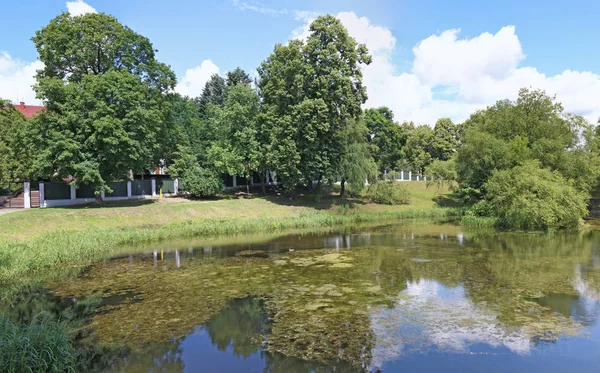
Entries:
{"x":390,"y":299}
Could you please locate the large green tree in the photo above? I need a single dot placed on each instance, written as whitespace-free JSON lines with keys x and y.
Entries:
{"x":386,"y":137}
{"x":214,"y":93}
{"x":445,"y":139}
{"x":236,"y":150}
{"x":311,"y":91}
{"x":105,"y":93}
{"x":357,"y":164}
{"x":238,"y":76}
{"x":418,"y":147}
{"x":534,"y":127}
{"x":16,"y":153}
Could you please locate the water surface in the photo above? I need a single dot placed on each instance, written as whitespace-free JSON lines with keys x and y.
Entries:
{"x":390,"y":299}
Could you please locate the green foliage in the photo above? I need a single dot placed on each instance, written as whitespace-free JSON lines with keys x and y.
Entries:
{"x":181,"y":127}
{"x":238,"y":76}
{"x":531,"y":197}
{"x":42,"y":346}
{"x":386,"y":137}
{"x":236,"y":150}
{"x":310,"y":91}
{"x":214,"y":93}
{"x":16,"y":153}
{"x":479,"y":157}
{"x":202,"y":182}
{"x":445,"y":139}
{"x":442,"y":173}
{"x":105,"y":94}
{"x":418,"y":148}
{"x":389,"y":193}
{"x":357,"y":164}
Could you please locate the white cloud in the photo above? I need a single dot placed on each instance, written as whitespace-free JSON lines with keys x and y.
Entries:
{"x":471,"y":74}
{"x":194,"y":80}
{"x":443,"y":59}
{"x":79,"y":8}
{"x":252,"y":6}
{"x":16,"y":79}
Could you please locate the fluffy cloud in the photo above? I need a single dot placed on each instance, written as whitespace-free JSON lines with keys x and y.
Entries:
{"x":16,"y":79}
{"x":194,"y":80}
{"x":452,"y":77}
{"x":443,"y":59}
{"x":79,"y":8}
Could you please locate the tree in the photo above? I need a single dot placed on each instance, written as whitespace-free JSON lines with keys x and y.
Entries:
{"x":386,"y":137}
{"x":531,"y":197}
{"x":181,"y":127}
{"x":534,"y":127}
{"x":105,"y":94}
{"x":238,"y":76}
{"x":237,"y":150}
{"x":311,"y":91}
{"x":357,"y":164}
{"x":418,"y":147}
{"x":445,"y":139}
{"x":442,"y":173}
{"x":16,"y":155}
{"x":214,"y":93}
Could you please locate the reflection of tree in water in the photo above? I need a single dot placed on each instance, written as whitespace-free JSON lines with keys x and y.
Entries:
{"x":155,"y":357}
{"x":241,"y":324}
{"x":278,"y":363}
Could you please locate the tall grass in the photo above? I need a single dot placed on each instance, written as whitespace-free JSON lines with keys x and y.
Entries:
{"x":479,"y":221}
{"x":68,"y":250}
{"x":43,"y":346}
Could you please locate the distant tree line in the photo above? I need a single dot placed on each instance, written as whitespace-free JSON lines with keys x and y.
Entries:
{"x":112,"y":112}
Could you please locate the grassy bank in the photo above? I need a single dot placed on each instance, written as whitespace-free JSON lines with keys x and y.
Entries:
{"x":69,"y":238}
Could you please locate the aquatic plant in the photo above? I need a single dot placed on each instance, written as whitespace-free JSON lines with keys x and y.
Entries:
{"x":42,"y":346}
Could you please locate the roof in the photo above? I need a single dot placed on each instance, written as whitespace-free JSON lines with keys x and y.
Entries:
{"x":28,"y":110}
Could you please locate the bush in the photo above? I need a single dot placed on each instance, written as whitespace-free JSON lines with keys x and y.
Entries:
{"x":43,"y":346}
{"x":530,"y":197}
{"x":389,"y":193}
{"x":202,"y":182}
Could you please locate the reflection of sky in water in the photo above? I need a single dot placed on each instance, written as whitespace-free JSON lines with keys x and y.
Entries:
{"x":439,"y":320}
{"x":430,"y":314}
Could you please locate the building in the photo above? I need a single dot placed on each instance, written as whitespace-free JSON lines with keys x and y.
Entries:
{"x":28,"y":110}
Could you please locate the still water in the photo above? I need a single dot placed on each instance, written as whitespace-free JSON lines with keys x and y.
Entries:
{"x":390,"y":299}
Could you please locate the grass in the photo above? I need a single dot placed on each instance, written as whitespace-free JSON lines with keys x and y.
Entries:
{"x":43,"y":346}
{"x":69,"y":238}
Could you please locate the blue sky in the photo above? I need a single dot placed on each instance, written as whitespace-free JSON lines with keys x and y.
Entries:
{"x":422,"y":70}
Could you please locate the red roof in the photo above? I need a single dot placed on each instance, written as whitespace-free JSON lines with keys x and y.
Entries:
{"x":28,"y":110}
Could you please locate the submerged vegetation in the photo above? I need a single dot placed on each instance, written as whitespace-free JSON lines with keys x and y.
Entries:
{"x":345,"y":304}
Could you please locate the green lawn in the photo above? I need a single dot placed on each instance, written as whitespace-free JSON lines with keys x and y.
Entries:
{"x":155,"y":213}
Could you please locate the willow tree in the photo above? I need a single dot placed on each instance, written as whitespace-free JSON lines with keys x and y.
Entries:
{"x":311,"y":91}
{"x":105,"y":94}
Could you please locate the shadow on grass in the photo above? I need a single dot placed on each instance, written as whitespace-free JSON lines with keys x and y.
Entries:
{"x":447,"y":200}
{"x":300,"y":198}
{"x":111,"y":204}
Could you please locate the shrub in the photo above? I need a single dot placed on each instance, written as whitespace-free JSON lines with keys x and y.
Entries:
{"x":530,"y":197}
{"x":42,"y":346}
{"x":202,"y":182}
{"x":389,"y":193}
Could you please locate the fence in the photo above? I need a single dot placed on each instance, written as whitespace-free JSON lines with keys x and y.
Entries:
{"x":53,"y":194}
{"x":405,"y":176}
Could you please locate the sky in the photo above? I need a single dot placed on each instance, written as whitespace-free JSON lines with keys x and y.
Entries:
{"x":431,"y":59}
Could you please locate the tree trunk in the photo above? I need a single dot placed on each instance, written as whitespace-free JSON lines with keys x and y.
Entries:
{"x":343,"y":188}
{"x":99,"y":199}
{"x":264,"y":183}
